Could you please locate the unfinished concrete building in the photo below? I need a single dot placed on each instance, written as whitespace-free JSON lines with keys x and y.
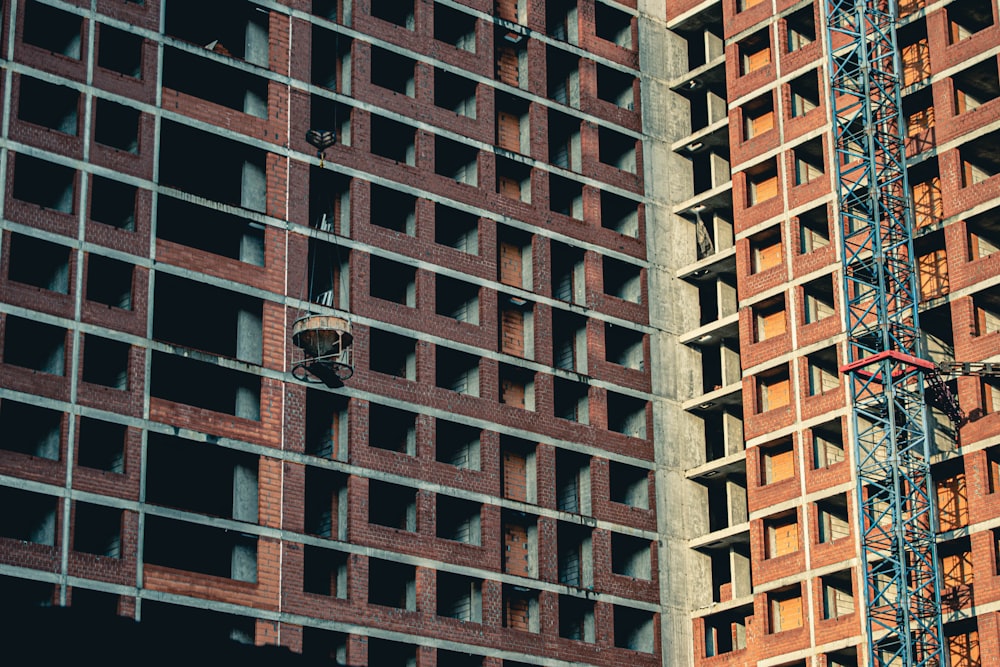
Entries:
{"x":588,"y":255}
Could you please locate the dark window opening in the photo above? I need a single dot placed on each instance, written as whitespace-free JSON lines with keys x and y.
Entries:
{"x":572,"y":482}
{"x":324,"y":644}
{"x":49,"y":105}
{"x":208,"y":318}
{"x":44,"y":183}
{"x":455,"y":27}
{"x":456,"y":161}
{"x":119,"y":51}
{"x":620,"y":214}
{"x":629,"y":485}
{"x":622,"y":280}
{"x":459,"y":597}
{"x":455,"y":93}
{"x":393,"y":210}
{"x":566,"y":196}
{"x":576,"y":618}
{"x":215,"y":82}
{"x":392,"y":505}
{"x":109,"y":281}
{"x":331,"y":60}
{"x":561,"y":20}
{"x":801,"y":28}
{"x":564,"y":140}
{"x":326,"y":114}
{"x":393,"y":71}
{"x":202,"y":626}
{"x":39,"y":263}
{"x":569,"y":341}
{"x":633,"y":629}
{"x":976,"y":85}
{"x":457,"y":444}
{"x":456,"y":229}
{"x":514,"y":179}
{"x":35,"y":518}
{"x":383,"y":651}
{"x":818,"y":296}
{"x":570,"y":400}
{"x":106,"y":361}
{"x":457,"y":299}
{"x":814,"y":229}
{"x":967,"y":18}
{"x":617,"y":149}
{"x":228,"y":27}
{"x":616,"y":87}
{"x":232,"y":236}
{"x":399,"y":12}
{"x":329,"y":201}
{"x":834,"y":522}
{"x":97,"y":530}
{"x":613,"y":25}
{"x":36,"y":346}
{"x":567,"y":273}
{"x":220,"y":552}
{"x":562,"y":77}
{"x":457,"y":371}
{"x":324,"y":572}
{"x":205,"y":385}
{"x":113,"y":203}
{"x":223,"y":484}
{"x":809,"y":161}
{"x":979,"y":162}
{"x":456,"y":659}
{"x":392,"y":429}
{"x":53,"y":29}
{"x":101,"y":445}
{"x":574,"y":555}
{"x":624,"y":346}
{"x":393,"y":354}
{"x":117,"y":126}
{"x":325,"y":504}
{"x":630,"y":556}
{"x":393,"y":281}
{"x":393,"y":140}
{"x":823,"y":371}
{"x":805,"y":93}
{"x":326,"y":425}
{"x":333,"y":10}
{"x":30,"y":429}
{"x":458,"y":520}
{"x":626,"y":415}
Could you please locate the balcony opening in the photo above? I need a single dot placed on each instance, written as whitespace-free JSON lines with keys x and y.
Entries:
{"x":457,"y":445}
{"x":393,"y":354}
{"x":223,"y":484}
{"x":566,"y":197}
{"x":205,"y":385}
{"x":521,"y":609}
{"x":392,"y":505}
{"x":777,"y":461}
{"x":325,"y":504}
{"x":457,"y":371}
{"x":113,"y":203}
{"x":616,"y":87}
{"x":801,"y":28}
{"x":393,"y":140}
{"x":613,"y":25}
{"x":393,"y":210}
{"x":762,"y":182}
{"x":513,"y":124}
{"x":569,"y":341}
{"x":331,"y":60}
{"x":932,"y":265}
{"x":828,"y":444}
{"x":35,"y":518}
{"x":338,"y":11}
{"x":619,"y":214}
{"x":393,"y":71}
{"x":572,"y":482}
{"x":457,"y":161}
{"x":517,"y":469}
{"x":49,"y":105}
{"x":575,"y":555}
{"x":39,"y":263}
{"x":819,"y":299}
{"x":617,"y":149}
{"x":119,"y":51}
{"x":457,"y":299}
{"x":45,"y":184}
{"x":514,"y":265}
{"x":101,"y":445}
{"x":235,"y":174}
{"x":804,"y":92}
{"x":324,"y":572}
{"x":622,"y":280}
{"x":392,"y":584}
{"x":220,"y":552}
{"x":34,"y":345}
{"x":725,"y":632}
{"x":459,"y":597}
{"x":785,"y":609}
{"x":329,"y":274}
{"x":915,"y":52}
{"x":976,"y":85}
{"x":758,"y":116}
{"x":957,"y":573}
{"x":562,"y":77}
{"x":755,"y":52}
{"x":765,"y":249}
{"x":918,"y":110}
{"x":984,"y":235}
{"x":106,"y":362}
{"x":520,"y":544}
{"x":967,"y":18}
{"x":228,"y":27}
{"x":514,"y":179}
{"x":97,"y":530}
{"x":576,"y":618}
{"x":561,"y":20}
{"x":456,"y":229}
{"x":809,"y":161}
{"x":978,"y":162}
{"x":517,"y":387}
{"x":814,"y":229}
{"x":838,"y":595}
{"x":329,"y":201}
{"x":52,"y":29}
{"x":628,"y":485}
{"x":455,"y":27}
{"x":232,"y":236}
{"x":398,"y":12}
{"x":393,"y":281}
{"x":571,"y":400}
{"x":203,"y":317}
{"x":634,"y":629}
{"x":781,"y":534}
{"x":392,"y":429}
{"x":203,"y":626}
{"x":564,"y":141}
{"x":326,"y":425}
{"x":773,"y":389}
{"x":216,"y":82}
{"x":627,"y":415}
{"x":925,"y":189}
{"x":823,"y":371}
{"x":455,"y":93}
{"x":834,"y":522}
{"x":458,"y":520}
{"x":30,"y":429}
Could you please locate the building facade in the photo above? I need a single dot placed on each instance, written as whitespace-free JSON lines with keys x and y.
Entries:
{"x":587,"y":253}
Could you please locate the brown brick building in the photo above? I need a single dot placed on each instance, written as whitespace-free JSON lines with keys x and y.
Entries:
{"x":585,"y":248}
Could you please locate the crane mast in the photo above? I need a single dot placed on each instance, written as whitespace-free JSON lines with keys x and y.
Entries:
{"x":884,"y":370}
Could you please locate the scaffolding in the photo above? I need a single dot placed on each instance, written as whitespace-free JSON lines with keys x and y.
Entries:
{"x":884,"y":365}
